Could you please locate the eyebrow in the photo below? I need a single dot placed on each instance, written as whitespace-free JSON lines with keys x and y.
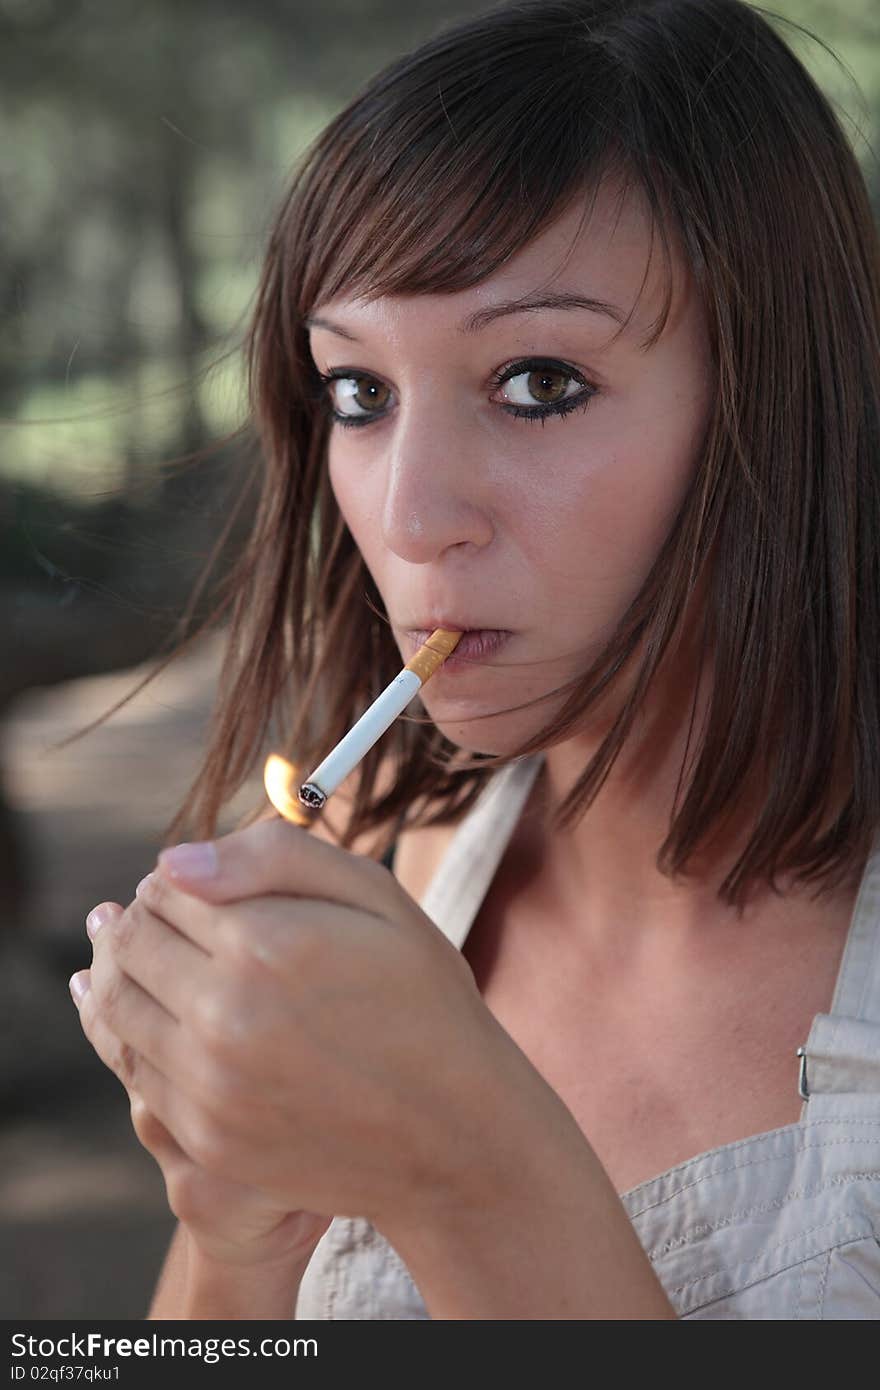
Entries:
{"x":562,"y":299}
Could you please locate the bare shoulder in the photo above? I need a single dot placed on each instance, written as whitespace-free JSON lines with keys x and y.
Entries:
{"x":418,"y":856}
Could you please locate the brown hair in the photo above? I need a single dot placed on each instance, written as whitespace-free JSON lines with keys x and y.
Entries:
{"x":407,"y":190}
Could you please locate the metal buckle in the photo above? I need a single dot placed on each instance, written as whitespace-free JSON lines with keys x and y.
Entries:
{"x":803,"y":1090}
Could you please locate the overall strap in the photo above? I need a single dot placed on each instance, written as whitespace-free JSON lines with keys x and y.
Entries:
{"x":842,"y":1052}
{"x":453,"y":897}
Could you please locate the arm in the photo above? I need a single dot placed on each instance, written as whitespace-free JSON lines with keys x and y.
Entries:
{"x":168,"y":1295}
{"x":558,"y":1252}
{"x":531,"y":1227}
{"x":192,"y":1286}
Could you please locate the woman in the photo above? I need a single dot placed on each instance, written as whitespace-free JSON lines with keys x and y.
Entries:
{"x":548,"y":1069}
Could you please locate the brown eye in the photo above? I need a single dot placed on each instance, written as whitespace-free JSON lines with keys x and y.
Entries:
{"x":538,"y":385}
{"x":537,"y":390}
{"x":547,"y":386}
{"x":367,"y":395}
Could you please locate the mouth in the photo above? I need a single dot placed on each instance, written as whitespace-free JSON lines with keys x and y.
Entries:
{"x":475,"y":645}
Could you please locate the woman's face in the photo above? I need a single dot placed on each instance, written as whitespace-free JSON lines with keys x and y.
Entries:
{"x":544,"y":527}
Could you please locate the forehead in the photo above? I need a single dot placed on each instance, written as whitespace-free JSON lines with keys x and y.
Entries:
{"x":600,"y":248}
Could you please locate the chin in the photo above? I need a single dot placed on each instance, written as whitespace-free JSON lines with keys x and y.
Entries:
{"x":478,"y":736}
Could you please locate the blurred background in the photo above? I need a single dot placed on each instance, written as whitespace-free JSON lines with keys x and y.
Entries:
{"x":144,"y":150}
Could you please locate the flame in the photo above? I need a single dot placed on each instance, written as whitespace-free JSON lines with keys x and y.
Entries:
{"x":279,"y":776}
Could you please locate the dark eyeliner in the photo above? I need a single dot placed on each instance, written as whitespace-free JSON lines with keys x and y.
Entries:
{"x":531,"y":364}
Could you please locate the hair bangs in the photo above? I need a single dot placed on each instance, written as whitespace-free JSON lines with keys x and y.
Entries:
{"x":488,"y":166}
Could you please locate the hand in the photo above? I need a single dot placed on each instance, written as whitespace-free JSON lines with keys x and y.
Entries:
{"x":303,"y":1028}
{"x":229,"y":1222}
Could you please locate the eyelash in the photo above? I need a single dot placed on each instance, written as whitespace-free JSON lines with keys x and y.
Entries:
{"x":530,"y":364}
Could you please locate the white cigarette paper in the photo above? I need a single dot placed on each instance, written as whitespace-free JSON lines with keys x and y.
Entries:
{"x":344,"y":758}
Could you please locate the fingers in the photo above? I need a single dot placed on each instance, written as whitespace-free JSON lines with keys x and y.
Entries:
{"x":155,"y":1137}
{"x":128,"y":1030}
{"x":148,"y":948}
{"x":133,"y":1032}
{"x":133,"y":1014}
{"x":190,"y":915}
{"x":170,"y":1104}
{"x":134,"y":1071}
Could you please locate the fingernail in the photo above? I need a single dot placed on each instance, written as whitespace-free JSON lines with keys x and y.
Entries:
{"x":196,"y":861}
{"x":78,"y":985}
{"x":142,"y":885}
{"x":96,"y":919}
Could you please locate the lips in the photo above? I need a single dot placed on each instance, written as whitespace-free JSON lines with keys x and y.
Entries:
{"x":425,"y":626}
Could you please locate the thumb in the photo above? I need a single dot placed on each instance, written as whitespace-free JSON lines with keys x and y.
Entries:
{"x":222,"y":869}
{"x":270,"y":856}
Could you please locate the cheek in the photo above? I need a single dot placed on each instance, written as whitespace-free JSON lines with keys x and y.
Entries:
{"x":634,"y":500}
{"x":354,"y":502}
{"x":600,"y":523}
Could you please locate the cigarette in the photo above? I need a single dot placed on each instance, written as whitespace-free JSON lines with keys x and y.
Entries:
{"x":279,"y":776}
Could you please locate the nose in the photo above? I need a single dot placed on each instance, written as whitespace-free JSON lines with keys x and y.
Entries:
{"x":435,"y":494}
